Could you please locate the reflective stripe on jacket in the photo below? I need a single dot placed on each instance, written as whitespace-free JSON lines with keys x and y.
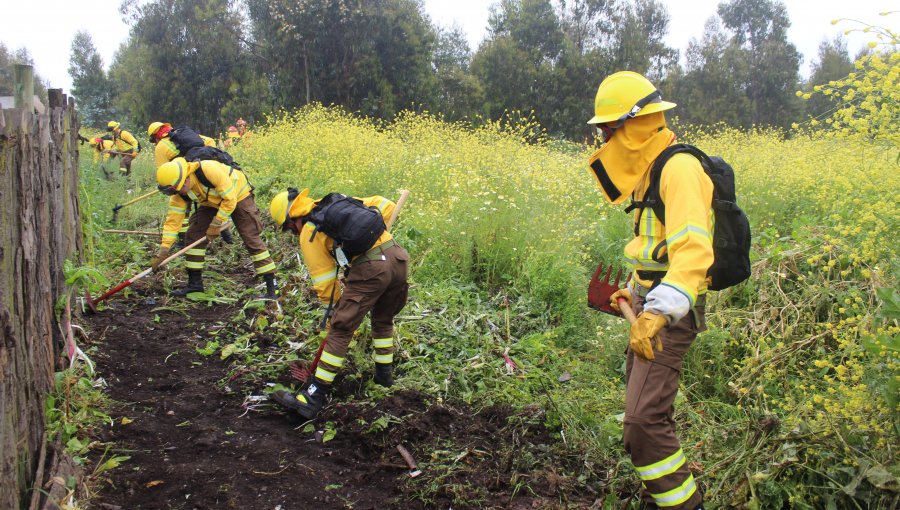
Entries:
{"x":682,"y":248}
{"x":317,"y":253}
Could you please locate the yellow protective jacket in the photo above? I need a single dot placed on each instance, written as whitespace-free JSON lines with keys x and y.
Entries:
{"x":125,"y":142}
{"x":317,"y":253}
{"x":229,"y":186}
{"x":167,"y":151}
{"x":104,"y":145}
{"x":682,"y":248}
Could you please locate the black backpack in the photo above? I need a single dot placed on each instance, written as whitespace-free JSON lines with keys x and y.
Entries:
{"x":185,"y":139}
{"x":731,"y":235}
{"x":353,"y":226}
{"x":204,"y":153}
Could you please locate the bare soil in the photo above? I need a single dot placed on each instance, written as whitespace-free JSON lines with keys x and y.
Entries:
{"x":194,"y":444}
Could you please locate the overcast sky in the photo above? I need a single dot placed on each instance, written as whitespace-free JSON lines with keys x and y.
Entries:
{"x":46,"y":27}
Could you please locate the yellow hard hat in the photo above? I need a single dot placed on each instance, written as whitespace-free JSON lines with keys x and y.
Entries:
{"x":112,"y":125}
{"x":154,"y":127}
{"x":625,"y":95}
{"x":282,"y":204}
{"x":171,"y":175}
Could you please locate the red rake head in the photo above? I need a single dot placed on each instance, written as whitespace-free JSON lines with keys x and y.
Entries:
{"x":599,"y":291}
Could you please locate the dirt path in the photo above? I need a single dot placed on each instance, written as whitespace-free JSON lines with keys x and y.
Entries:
{"x":194,"y":446}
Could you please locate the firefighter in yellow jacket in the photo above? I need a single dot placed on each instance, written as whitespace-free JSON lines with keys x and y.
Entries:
{"x":165,"y":148}
{"x":222,"y":193}
{"x":375,"y":281}
{"x":101,"y":145}
{"x":668,"y":287}
{"x":166,"y":151}
{"x":125,"y":144}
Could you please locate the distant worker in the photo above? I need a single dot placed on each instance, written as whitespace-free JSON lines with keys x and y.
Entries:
{"x":223,"y":193}
{"x":172,"y":143}
{"x":243,"y":133}
{"x":667,"y":292}
{"x":231,"y":137}
{"x":102,"y":146}
{"x":125,"y":144}
{"x":375,"y":280}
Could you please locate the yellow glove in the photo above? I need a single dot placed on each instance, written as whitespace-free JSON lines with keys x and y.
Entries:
{"x":644,"y":333}
{"x":621,"y":293}
{"x":161,"y":255}
{"x":214,"y":229}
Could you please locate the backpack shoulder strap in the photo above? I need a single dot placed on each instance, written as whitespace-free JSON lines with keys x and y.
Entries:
{"x":202,"y":178}
{"x":651,"y":197}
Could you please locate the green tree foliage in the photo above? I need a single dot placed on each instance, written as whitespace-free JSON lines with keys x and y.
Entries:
{"x":182,"y":63}
{"x":743,"y":71}
{"x":833,"y":64}
{"x":90,"y":85}
{"x":460,"y":94}
{"x":638,"y":39}
{"x":709,"y":92}
{"x":374,"y":57}
{"x":759,"y":39}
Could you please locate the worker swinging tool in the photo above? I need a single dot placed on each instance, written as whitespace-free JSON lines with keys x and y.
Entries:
{"x":222,"y":193}
{"x":341,"y":231}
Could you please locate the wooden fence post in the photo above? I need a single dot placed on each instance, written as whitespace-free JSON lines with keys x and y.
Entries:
{"x":23,"y":83}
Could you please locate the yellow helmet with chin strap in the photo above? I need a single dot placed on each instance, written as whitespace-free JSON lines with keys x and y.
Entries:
{"x":153,"y":128}
{"x":171,"y":176}
{"x":111,"y":125}
{"x":282,"y":203}
{"x":625,"y":95}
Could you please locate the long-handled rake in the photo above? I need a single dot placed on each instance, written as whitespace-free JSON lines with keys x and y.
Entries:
{"x":303,"y":372}
{"x":117,"y":207}
{"x":92,"y":303}
{"x":600,"y":291}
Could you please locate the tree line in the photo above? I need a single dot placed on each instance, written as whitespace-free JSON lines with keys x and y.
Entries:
{"x":207,"y":62}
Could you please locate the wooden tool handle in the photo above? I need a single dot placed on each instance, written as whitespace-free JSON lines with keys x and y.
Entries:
{"x":404,"y":194}
{"x":625,"y":308}
{"x":407,"y":457}
{"x":188,"y":247}
{"x":140,"y":198}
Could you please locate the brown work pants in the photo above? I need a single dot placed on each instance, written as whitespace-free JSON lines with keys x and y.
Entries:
{"x":377,"y":286}
{"x":649,"y":430}
{"x":246,"y":220}
{"x":125,"y":164}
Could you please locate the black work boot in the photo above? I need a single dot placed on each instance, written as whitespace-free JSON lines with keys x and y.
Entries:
{"x":226,"y":236}
{"x":308,"y":402}
{"x":179,"y":243}
{"x":271,"y":287}
{"x":195,"y":284}
{"x":384,"y":374}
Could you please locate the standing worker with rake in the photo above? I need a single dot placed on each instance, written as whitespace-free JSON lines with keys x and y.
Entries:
{"x":343,"y":232}
{"x":222,"y":193}
{"x":670,"y":257}
{"x":125,"y":144}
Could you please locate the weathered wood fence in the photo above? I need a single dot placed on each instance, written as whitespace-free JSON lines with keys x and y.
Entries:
{"x":40,"y":228}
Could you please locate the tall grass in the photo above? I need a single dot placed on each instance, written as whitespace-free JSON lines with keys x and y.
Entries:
{"x":790,"y":398}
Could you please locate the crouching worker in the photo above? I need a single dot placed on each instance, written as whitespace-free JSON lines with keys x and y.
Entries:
{"x":339,"y":231}
{"x":222,"y":193}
